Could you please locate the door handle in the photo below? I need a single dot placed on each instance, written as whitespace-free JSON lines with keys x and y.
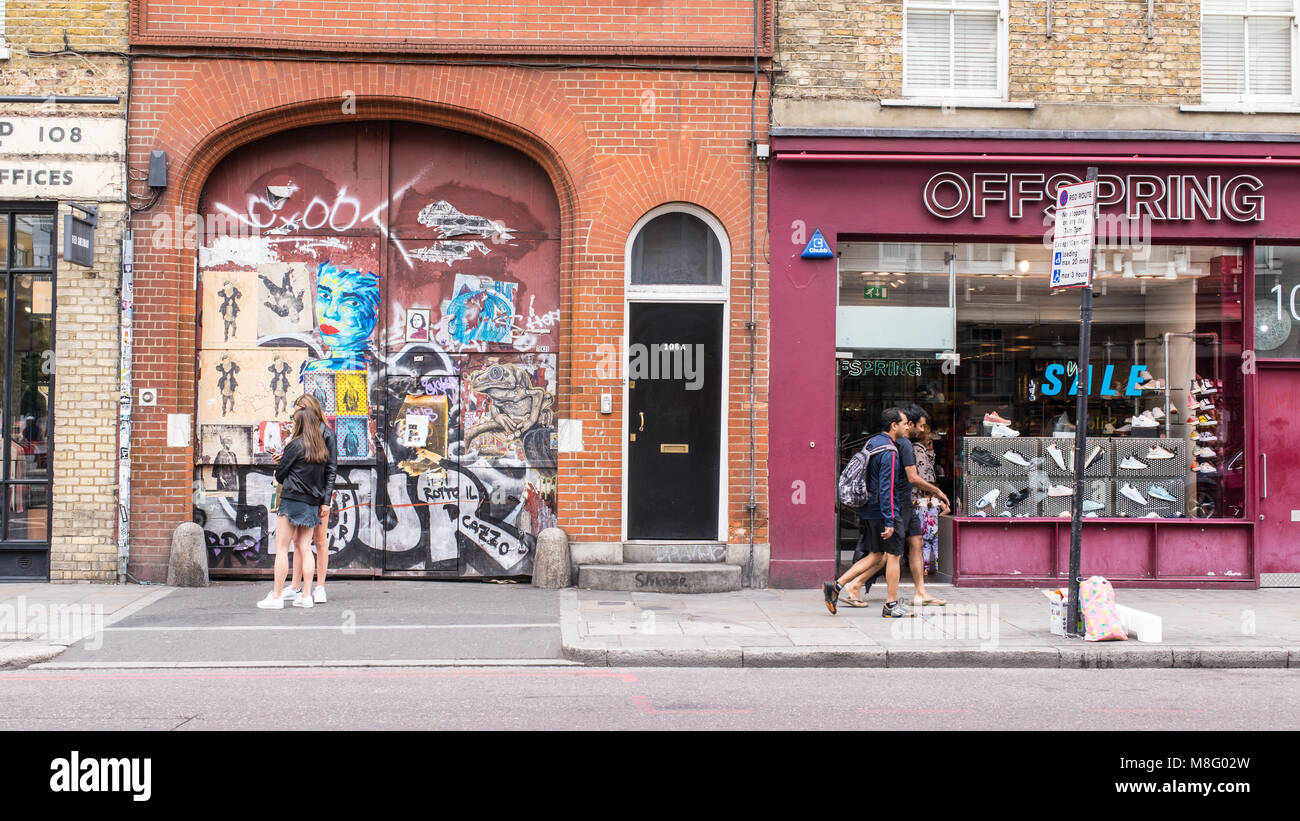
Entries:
{"x":1263,"y":476}
{"x":642,"y":415}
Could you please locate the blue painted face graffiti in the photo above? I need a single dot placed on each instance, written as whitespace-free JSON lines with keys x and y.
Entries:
{"x":347,"y":309}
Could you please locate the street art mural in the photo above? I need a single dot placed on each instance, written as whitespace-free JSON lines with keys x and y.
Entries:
{"x":425,"y":322}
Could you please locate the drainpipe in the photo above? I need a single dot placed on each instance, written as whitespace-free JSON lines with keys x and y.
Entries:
{"x":752,"y":507}
{"x":127,"y":309}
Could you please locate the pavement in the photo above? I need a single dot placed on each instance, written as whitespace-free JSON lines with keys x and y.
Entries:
{"x":410,"y":623}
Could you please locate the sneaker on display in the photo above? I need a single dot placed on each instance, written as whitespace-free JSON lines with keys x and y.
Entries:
{"x":1014,"y":499}
{"x":1156,"y":412}
{"x":1203,"y":421}
{"x":1004,"y":432}
{"x":1146,"y":375}
{"x":1063,"y":423}
{"x":1006,"y":513}
{"x":989,"y":499}
{"x":994,"y":419}
{"x":1124,"y":428}
{"x":1060,"y":490}
{"x":1205,"y":468}
{"x":1152,"y":515}
{"x":1157,"y":452}
{"x":1205,"y":453}
{"x":1090,"y":506}
{"x":1015,"y":457}
{"x":1157,"y":492}
{"x":1131,"y":463}
{"x":1057,"y":457}
{"x":1064,"y":514}
{"x":982,"y":457}
{"x":1093,"y":456}
{"x":1207,"y":437}
{"x":1152,"y":385}
{"x":1090,"y":515}
{"x":1130,"y":492}
{"x":1144,"y":420}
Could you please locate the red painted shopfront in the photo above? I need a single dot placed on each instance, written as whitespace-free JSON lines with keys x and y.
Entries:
{"x":938,"y":295}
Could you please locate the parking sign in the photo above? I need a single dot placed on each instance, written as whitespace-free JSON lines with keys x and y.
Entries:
{"x":1072,"y":236}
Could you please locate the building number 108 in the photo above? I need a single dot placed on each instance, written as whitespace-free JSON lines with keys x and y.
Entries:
{"x":58,"y":134}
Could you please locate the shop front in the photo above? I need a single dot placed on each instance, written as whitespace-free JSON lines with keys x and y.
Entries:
{"x":938,"y":295}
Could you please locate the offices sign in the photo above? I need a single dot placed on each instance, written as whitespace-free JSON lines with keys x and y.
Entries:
{"x":1174,"y":197}
{"x":61,"y":158}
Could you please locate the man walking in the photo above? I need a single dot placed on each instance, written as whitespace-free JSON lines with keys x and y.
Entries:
{"x":882,"y":516}
{"x":918,"y":466}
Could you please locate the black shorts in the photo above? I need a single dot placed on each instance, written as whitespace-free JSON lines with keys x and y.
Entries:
{"x":913,"y":525}
{"x":894,"y":545}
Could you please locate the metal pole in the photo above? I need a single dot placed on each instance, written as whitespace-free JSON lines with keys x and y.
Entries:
{"x":1084,"y":377}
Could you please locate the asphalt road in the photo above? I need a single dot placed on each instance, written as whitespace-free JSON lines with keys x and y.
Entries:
{"x":557,"y":698}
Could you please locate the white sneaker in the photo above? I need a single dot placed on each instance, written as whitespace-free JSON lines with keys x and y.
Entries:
{"x":1156,"y":413}
{"x":1015,"y":458}
{"x":271,"y":602}
{"x":1157,"y":452}
{"x":1205,"y":467}
{"x":1144,"y":420}
{"x":1133,"y":464}
{"x":1004,"y":432}
{"x":1060,"y":490}
{"x":289,"y":594}
{"x":1092,"y":456}
{"x":1057,"y":457}
{"x":1132,"y":493}
{"x":1205,"y":453}
{"x":318,"y":595}
{"x":304,"y":601}
{"x":1157,"y":492}
{"x":989,"y":500}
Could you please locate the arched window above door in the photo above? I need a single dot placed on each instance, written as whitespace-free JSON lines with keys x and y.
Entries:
{"x":677,"y":246}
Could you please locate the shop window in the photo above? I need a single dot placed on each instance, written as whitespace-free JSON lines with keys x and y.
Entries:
{"x":676,"y":248}
{"x":1165,"y":421}
{"x":1277,"y":302}
{"x":954,"y":48}
{"x":1247,"y":51}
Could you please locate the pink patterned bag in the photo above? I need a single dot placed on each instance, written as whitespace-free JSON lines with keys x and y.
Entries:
{"x":1097,"y":598}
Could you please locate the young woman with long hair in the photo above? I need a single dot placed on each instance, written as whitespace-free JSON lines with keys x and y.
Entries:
{"x":320,"y":538}
{"x":301,"y":474}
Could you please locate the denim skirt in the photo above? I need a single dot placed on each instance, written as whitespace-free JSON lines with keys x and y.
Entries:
{"x":300,"y":513}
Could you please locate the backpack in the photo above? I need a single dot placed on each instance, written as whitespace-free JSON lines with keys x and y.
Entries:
{"x":852,"y":488}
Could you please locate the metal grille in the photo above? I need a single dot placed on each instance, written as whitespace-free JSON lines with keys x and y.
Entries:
{"x":1100,"y":469}
{"x":1027,"y":446}
{"x":1125,"y":506}
{"x":1137,"y":449}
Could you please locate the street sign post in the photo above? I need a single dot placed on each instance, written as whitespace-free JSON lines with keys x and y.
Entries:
{"x":1072,"y":251}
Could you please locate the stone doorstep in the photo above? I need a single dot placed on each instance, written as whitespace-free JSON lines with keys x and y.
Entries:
{"x":661,"y":577}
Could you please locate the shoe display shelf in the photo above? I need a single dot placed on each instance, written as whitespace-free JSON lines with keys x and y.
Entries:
{"x":1103,"y":468}
{"x":1098,"y":490}
{"x":996,"y":447}
{"x":1137,"y":449}
{"x":978,"y":487}
{"x":1124,"y":506}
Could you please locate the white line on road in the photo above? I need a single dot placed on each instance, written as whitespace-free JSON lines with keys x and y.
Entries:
{"x":334,"y":627}
{"x":246,"y":664}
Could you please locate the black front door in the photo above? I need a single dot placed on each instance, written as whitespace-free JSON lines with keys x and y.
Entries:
{"x":674,"y":420}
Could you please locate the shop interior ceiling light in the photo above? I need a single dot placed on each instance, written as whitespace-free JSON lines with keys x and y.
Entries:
{"x":1023,"y":265}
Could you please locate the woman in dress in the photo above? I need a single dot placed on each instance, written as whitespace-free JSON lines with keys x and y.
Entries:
{"x":301,"y":474}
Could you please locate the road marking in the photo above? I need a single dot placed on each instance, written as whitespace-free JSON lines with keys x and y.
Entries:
{"x":158,"y":671}
{"x":891,"y":710}
{"x":345,"y":628}
{"x":645,"y":708}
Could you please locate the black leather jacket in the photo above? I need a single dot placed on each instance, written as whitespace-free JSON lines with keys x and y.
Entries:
{"x":300,"y":481}
{"x":332,"y":466}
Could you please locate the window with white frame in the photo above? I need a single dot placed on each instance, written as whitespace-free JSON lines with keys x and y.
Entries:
{"x":1248,"y":51}
{"x":954,"y":48}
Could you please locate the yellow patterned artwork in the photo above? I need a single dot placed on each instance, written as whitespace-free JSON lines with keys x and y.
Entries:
{"x":350,"y":393}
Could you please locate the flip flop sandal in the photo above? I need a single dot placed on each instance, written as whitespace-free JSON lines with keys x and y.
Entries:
{"x":854,"y":602}
{"x":929,"y":601}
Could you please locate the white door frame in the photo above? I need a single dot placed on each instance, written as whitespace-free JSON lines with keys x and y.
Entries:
{"x":694,"y":294}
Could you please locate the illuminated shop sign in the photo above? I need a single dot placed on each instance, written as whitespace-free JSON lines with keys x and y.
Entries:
{"x":1174,"y":197}
{"x":1052,"y":380}
{"x":880,"y":367}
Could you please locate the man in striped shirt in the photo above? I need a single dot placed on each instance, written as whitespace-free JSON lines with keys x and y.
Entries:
{"x":889,"y":500}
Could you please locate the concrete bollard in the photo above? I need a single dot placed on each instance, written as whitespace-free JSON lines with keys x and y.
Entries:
{"x":188,"y":564}
{"x":552,"y":567}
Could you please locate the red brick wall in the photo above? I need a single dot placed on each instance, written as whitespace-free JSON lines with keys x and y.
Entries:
{"x":584,"y":26}
{"x":615,"y":142}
